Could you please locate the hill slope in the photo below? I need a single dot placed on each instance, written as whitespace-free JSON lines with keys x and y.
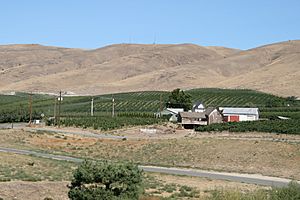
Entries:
{"x":273,"y":68}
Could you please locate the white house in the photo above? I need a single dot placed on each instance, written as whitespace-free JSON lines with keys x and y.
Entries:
{"x":198,"y":107}
{"x":239,"y":114}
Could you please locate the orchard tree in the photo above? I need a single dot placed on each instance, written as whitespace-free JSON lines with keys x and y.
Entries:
{"x":106,"y":181}
{"x":179,"y":99}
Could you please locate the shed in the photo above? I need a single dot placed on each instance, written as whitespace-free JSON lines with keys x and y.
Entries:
{"x":239,"y":114}
{"x":191,"y":119}
{"x":209,"y":116}
{"x":213,"y":116}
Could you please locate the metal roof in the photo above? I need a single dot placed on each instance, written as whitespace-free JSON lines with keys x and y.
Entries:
{"x":209,"y":110}
{"x":248,"y":111}
{"x":192,"y":114}
{"x":175,"y":110}
{"x":169,"y":111}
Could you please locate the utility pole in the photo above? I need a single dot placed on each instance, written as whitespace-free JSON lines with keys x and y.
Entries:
{"x":54,"y":111}
{"x":59,"y":102}
{"x":92,"y":107}
{"x":160,"y":105}
{"x":30,"y":109}
{"x":113,"y":107}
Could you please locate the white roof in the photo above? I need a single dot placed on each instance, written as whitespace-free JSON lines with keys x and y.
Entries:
{"x":175,"y":110}
{"x":253,"y":111}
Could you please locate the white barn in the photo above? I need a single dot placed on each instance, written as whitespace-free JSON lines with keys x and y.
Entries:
{"x":240,"y":114}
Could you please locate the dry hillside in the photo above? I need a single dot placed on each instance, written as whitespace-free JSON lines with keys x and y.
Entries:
{"x":272,"y":68}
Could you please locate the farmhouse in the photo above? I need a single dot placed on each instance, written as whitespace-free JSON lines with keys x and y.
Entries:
{"x":240,"y":114}
{"x":192,"y":119}
{"x":198,"y":107}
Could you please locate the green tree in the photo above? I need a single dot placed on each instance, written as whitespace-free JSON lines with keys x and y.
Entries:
{"x":179,"y":99}
{"x":106,"y":181}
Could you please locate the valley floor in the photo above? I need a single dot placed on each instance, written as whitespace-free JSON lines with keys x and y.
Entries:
{"x":260,"y":153}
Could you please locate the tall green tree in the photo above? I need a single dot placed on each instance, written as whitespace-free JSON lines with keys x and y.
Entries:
{"x":179,"y":99}
{"x":106,"y":181}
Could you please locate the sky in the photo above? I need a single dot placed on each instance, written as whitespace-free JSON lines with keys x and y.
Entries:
{"x":90,"y":24}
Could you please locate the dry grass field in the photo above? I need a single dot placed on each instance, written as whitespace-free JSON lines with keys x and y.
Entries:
{"x":28,"y":168}
{"x":264,"y":155}
{"x":116,"y":68}
{"x":28,"y":177}
{"x":156,"y":185}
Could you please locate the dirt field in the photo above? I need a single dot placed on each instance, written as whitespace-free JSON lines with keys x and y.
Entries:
{"x":267,"y":154}
{"x":20,"y":190}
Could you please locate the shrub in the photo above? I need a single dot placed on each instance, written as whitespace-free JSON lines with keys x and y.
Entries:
{"x":291,"y":192}
{"x":105,"y":180}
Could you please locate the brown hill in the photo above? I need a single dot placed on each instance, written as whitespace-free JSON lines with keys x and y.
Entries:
{"x":130,"y":67}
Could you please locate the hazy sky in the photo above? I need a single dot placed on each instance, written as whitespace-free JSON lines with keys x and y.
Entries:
{"x":91,"y":24}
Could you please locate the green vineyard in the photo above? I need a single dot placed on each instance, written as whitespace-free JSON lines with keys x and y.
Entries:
{"x":15,"y":108}
{"x":269,"y":126}
{"x":108,"y":123}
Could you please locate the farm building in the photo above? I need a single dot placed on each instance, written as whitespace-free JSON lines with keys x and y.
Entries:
{"x":240,"y":114}
{"x":172,"y":112}
{"x":198,"y":107}
{"x":213,"y":116}
{"x":191,"y":119}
